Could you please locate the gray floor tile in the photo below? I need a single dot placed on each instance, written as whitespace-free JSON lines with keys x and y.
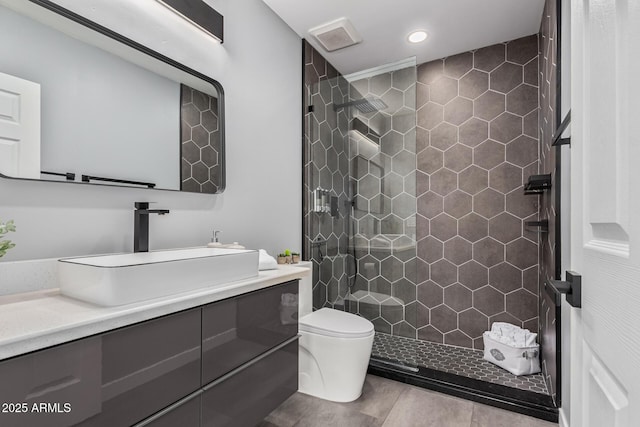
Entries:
{"x":487,"y":416}
{"x":418,"y":407}
{"x":378,"y":397}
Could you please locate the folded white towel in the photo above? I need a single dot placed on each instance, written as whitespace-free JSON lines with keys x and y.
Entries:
{"x":266,"y":261}
{"x":512,"y":335}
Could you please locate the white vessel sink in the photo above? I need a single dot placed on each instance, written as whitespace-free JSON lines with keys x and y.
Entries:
{"x":110,"y":280}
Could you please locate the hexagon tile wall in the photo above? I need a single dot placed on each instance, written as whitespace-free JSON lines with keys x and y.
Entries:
{"x":200,"y":142}
{"x":477,"y":143}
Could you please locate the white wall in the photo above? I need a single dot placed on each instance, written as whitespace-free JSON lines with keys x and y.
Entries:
{"x":259,"y":66}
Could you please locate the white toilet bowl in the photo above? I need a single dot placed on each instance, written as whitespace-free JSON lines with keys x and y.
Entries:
{"x":334,"y":351}
{"x":334,"y":354}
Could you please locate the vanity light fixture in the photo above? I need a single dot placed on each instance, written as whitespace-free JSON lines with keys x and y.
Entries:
{"x":200,"y":14}
{"x":417,"y":36}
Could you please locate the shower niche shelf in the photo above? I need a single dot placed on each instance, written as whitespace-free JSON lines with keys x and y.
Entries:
{"x":537,"y":184}
{"x":537,"y":226}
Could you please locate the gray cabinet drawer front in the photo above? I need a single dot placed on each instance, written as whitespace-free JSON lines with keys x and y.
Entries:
{"x":245,"y":398}
{"x":148,"y":366}
{"x":237,"y":330}
{"x":185,"y":415}
{"x":62,"y":382}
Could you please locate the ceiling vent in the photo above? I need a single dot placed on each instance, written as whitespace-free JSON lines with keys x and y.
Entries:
{"x":336,"y":34}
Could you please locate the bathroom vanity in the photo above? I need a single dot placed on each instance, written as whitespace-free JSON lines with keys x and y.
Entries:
{"x":222,"y":357}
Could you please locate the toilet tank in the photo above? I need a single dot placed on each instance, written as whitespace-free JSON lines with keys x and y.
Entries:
{"x":305,"y":296}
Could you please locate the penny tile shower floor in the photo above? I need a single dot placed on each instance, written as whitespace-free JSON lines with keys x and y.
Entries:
{"x":454,"y":360}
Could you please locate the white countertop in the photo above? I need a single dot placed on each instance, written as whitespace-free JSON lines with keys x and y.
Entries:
{"x":45,"y":318}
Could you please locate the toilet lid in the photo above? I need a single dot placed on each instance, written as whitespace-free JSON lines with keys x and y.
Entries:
{"x":335,"y":323}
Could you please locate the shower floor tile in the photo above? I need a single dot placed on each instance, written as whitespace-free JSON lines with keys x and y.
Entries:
{"x":454,"y":360}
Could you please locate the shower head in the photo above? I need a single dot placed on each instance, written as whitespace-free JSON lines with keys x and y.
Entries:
{"x":364,"y":105}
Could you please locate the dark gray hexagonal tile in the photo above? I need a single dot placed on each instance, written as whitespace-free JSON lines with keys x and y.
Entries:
{"x":522,"y":100}
{"x":392,"y":268}
{"x":395,"y":101}
{"x":443,"y":181}
{"x":209,"y":121}
{"x":443,"y":318}
{"x":430,"y":294}
{"x":473,"y":275}
{"x":190,"y":152}
{"x":473,"y":323}
{"x":443,"y":272}
{"x":505,"y":277}
{"x":457,"y":250}
{"x":505,"y":177}
{"x":489,"y":105}
{"x":369,"y":186}
{"x":530,"y":279}
{"x":457,"y":204}
{"x":505,"y":127}
{"x":522,"y":151}
{"x":488,"y":203}
{"x":505,"y":317}
{"x":422,"y":182}
{"x":472,"y":227}
{"x":200,"y":136}
{"x":209,"y":156}
{"x":488,"y":301}
{"x":522,"y":304}
{"x":458,"y":65}
{"x":457,"y":157}
{"x":488,"y":58}
{"x":473,"y":180}
{"x":403,"y":79}
{"x":530,"y":124}
{"x":422,"y":94}
{"x":404,"y":205}
{"x":430,"y":249}
{"x":488,"y":252}
{"x":391,"y":143}
{"x":506,"y":77}
{"x":392,"y":184}
{"x":381,"y":205}
{"x":457,"y":338}
{"x":403,"y":163}
{"x":473,"y":84}
{"x":474,"y":132}
{"x":430,"y":204}
{"x":522,"y":50}
{"x":430,"y":160}
{"x":443,"y":227}
{"x":403,"y":123}
{"x":368,"y":267}
{"x":444,"y":136}
{"x":430,"y":71}
{"x":380,"y":83}
{"x":458,"y":111}
{"x":531,"y":72}
{"x":430,"y":115}
{"x":522,"y":253}
{"x":520,"y":204}
{"x":489,"y":154}
{"x":190,"y":114}
{"x":457,"y":297}
{"x":431,"y":334}
{"x":505,"y":227}
{"x":443,"y":90}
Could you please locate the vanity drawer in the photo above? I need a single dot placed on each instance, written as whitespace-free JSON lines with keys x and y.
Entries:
{"x":237,"y":330}
{"x":185,"y":415}
{"x":59,"y":386}
{"x":245,"y":397}
{"x":147,"y":367}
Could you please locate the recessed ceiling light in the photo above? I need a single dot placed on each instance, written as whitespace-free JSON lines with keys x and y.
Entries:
{"x":417,"y":36}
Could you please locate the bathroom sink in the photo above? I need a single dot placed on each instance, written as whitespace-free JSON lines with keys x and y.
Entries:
{"x":110,"y":280}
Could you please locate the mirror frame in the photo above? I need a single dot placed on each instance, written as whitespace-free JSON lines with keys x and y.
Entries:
{"x":91,"y":25}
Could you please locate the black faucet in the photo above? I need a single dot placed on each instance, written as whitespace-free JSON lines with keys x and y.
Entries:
{"x":141,"y":225}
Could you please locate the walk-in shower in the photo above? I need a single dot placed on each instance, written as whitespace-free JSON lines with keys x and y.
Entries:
{"x":425,"y":164}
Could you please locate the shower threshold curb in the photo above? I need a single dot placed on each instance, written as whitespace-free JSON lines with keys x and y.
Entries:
{"x":521,"y":401}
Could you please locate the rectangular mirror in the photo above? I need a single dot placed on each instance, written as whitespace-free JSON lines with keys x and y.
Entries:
{"x":80,"y":103}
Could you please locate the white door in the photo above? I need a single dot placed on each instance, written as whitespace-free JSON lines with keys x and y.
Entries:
{"x":19,"y":127}
{"x":605,"y":217}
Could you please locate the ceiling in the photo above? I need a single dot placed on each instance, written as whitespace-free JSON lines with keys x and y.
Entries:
{"x":454,"y":26}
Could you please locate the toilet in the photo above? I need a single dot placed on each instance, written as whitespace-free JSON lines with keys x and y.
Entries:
{"x":334,"y":351}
